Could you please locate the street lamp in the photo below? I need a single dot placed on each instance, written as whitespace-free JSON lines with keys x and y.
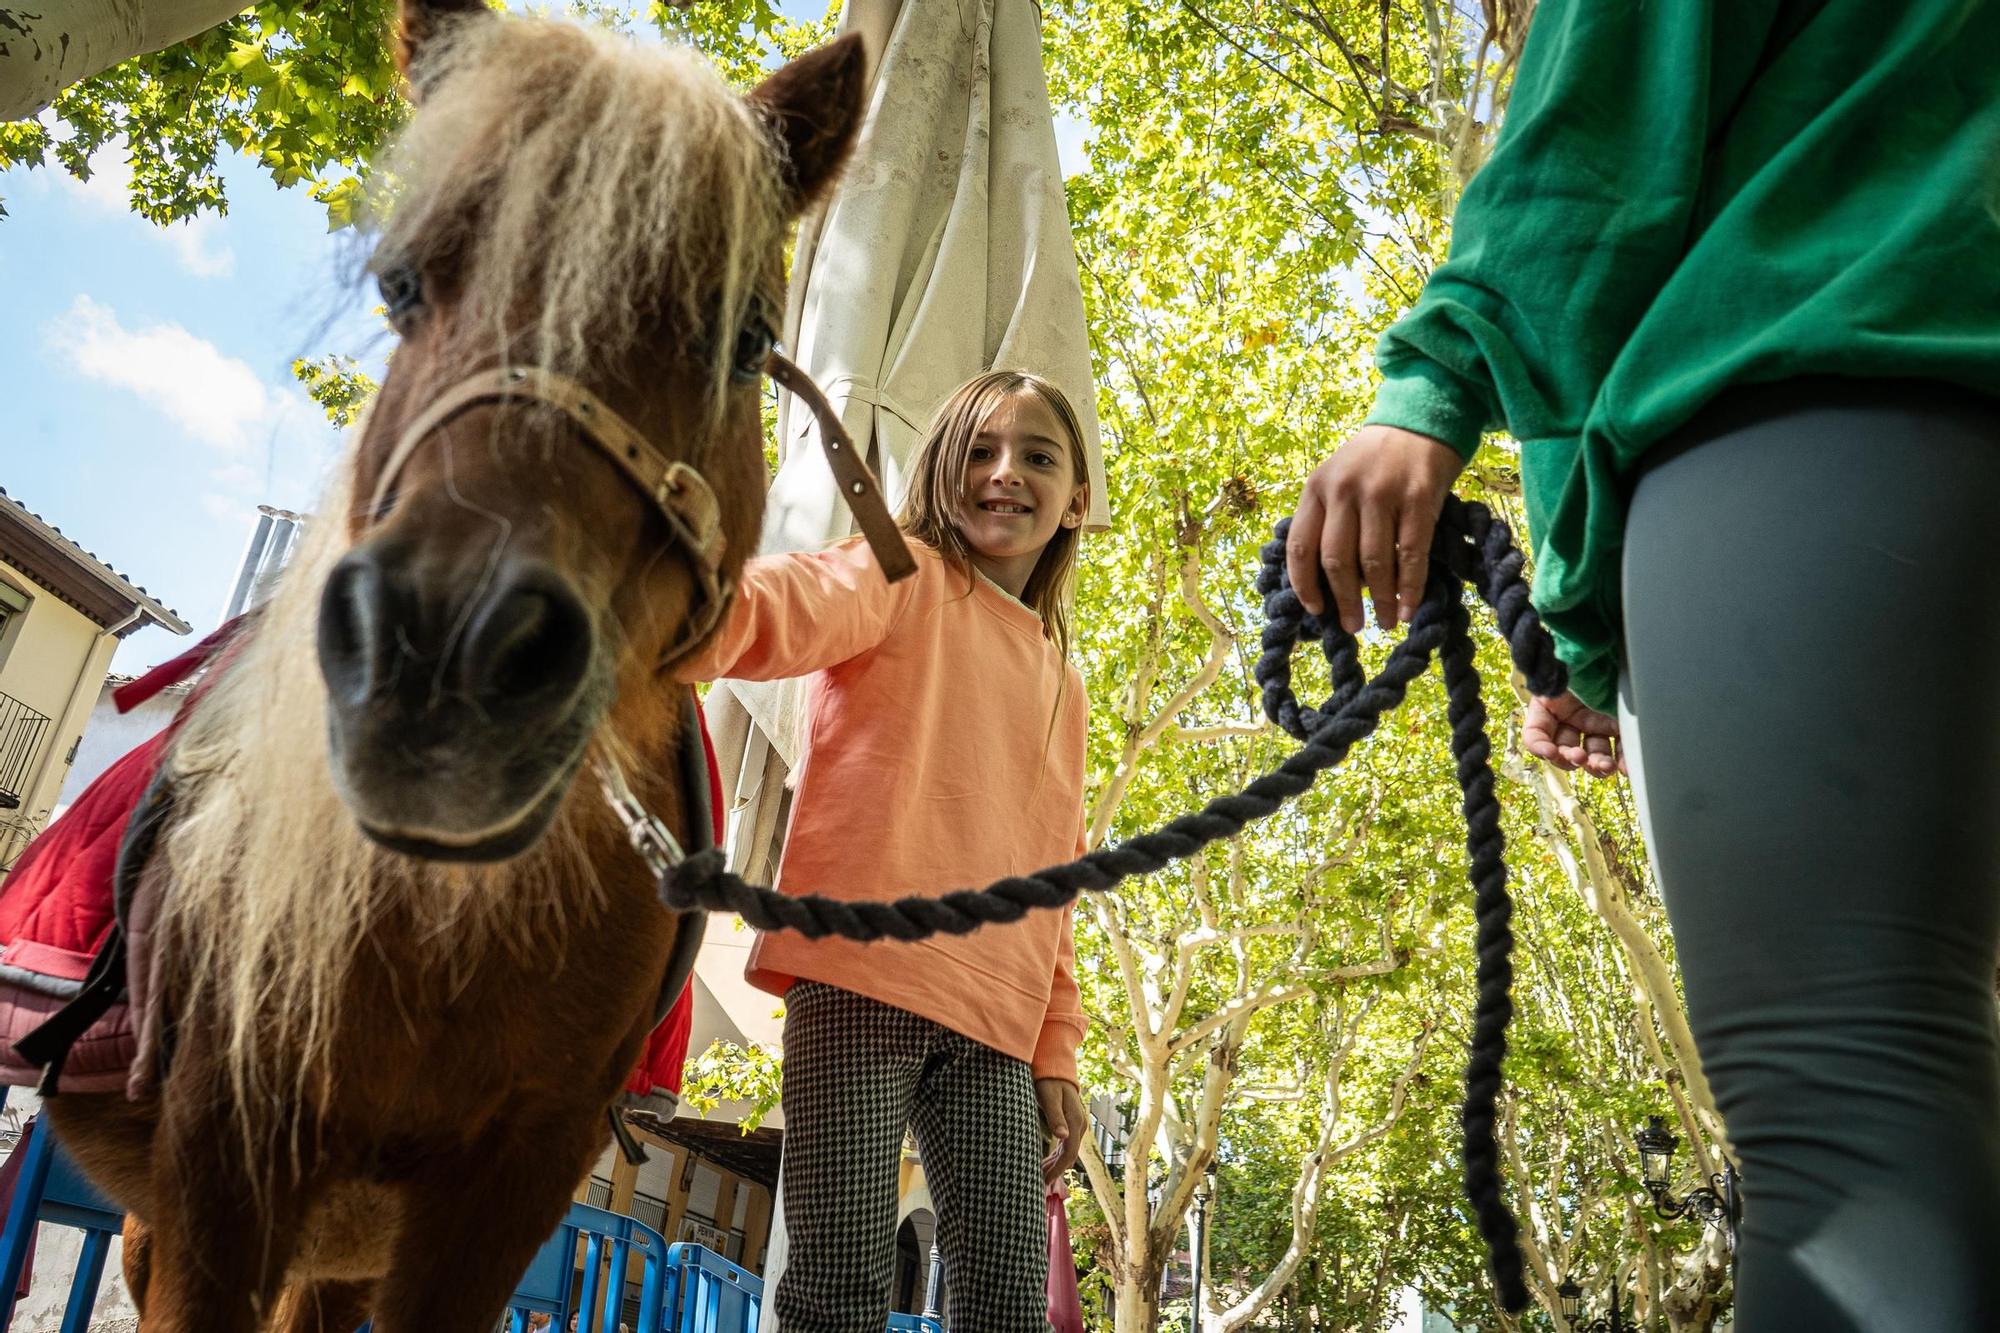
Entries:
{"x":1204,"y":1190}
{"x":1569,"y":1296}
{"x":1717,"y":1203}
{"x":934,"y":1288}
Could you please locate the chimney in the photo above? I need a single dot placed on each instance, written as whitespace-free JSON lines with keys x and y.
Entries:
{"x":271,"y":545}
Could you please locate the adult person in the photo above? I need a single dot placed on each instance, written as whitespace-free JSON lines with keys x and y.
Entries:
{"x":1732,"y":277}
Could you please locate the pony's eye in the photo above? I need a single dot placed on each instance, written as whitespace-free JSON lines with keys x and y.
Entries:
{"x":402,"y":291}
{"x":753,"y":347}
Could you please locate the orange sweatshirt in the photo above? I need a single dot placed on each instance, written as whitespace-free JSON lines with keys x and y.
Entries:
{"x":945,"y":749}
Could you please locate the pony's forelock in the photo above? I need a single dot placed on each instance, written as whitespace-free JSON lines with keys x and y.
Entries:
{"x":601,"y":184}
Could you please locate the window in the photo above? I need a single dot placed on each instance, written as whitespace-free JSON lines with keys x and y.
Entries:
{"x":599,"y":1193}
{"x":13,"y":611}
{"x":651,"y":1211}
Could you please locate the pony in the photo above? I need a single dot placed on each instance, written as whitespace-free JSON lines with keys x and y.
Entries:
{"x":403,"y":958}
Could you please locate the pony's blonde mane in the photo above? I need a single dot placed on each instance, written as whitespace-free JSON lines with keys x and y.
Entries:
{"x":275,"y":890}
{"x":573,"y":173}
{"x":570,"y":173}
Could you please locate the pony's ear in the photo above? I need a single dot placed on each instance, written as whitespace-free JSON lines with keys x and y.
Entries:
{"x":815,"y":107}
{"x":420,"y":22}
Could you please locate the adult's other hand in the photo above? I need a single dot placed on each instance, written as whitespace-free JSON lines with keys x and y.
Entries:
{"x":1571,"y":735}
{"x":1365,"y":519}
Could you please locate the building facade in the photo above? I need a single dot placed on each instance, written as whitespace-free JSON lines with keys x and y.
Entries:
{"x":62,"y":613}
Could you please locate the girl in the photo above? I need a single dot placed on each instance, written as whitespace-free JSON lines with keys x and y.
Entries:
{"x":945,"y":749}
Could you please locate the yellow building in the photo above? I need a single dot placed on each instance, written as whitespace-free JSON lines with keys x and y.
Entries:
{"x":62,"y":613}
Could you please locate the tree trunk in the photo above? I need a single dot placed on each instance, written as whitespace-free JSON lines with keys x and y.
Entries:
{"x":1138,"y":1308}
{"x":46,"y":45}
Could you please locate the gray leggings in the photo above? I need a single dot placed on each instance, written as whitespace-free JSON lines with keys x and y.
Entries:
{"x":1812,"y":692}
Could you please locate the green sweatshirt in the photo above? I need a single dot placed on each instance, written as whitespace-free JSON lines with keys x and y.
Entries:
{"x":1693,"y":194}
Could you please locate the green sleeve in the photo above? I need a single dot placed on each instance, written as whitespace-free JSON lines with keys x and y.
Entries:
{"x":1564,"y":238}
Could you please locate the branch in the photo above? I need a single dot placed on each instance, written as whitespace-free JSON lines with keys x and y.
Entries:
{"x":1269,"y":994}
{"x":1138,"y":700}
{"x":1263,"y":997}
{"x":1365,"y":71}
{"x":1146,"y":1034}
{"x":1107,"y":1191}
{"x":1220,"y":731}
{"x":1221,"y":32}
{"x":1604,"y":891}
{"x":52,"y":45}
{"x":1540,"y":1278}
{"x":1209,"y":938}
{"x":1222,"y":642}
{"x":1131,"y":361}
{"x":1307,"y":1190}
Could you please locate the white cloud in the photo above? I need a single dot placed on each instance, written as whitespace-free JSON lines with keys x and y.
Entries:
{"x":226,"y":509}
{"x":236,"y":476}
{"x":109,"y":189}
{"x":270,"y":443}
{"x":197,"y":243}
{"x":215,"y":398}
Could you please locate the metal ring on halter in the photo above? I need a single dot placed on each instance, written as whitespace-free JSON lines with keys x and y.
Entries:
{"x":679,"y":492}
{"x":650,"y":837}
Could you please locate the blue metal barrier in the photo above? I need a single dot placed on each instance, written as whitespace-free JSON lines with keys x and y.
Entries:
{"x":49,"y":1188}
{"x":708,"y":1294}
{"x":683,"y":1289}
{"x":609,"y":1241}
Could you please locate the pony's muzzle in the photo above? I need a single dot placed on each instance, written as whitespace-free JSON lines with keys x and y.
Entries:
{"x":458,"y":701}
{"x":519,"y":646}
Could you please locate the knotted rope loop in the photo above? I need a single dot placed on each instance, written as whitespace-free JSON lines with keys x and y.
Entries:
{"x":1471,"y":548}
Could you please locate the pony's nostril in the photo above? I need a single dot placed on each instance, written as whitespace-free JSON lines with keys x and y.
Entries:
{"x":530,"y":643}
{"x":351,"y":612}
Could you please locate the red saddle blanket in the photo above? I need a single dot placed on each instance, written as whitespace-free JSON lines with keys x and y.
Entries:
{"x":57,"y":910}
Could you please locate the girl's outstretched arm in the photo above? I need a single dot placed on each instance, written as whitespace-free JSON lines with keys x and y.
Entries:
{"x":800,"y":613}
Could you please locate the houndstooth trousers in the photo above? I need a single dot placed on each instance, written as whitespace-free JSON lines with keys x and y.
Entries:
{"x":857,"y":1071}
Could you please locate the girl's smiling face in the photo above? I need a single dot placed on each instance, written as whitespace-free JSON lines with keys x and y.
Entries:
{"x":1021,"y":487}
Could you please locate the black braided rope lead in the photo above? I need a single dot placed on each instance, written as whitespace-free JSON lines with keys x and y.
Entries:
{"x":1471,"y":547}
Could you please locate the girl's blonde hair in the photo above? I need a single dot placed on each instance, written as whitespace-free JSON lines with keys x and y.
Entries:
{"x":937,"y":488}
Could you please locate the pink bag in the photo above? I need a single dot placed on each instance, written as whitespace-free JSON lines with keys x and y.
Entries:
{"x":1065,"y":1305}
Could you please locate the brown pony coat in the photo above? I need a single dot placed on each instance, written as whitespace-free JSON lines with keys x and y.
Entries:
{"x":389,"y":1073}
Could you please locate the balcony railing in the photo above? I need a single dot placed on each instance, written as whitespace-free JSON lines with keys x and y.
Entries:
{"x":22,"y":732}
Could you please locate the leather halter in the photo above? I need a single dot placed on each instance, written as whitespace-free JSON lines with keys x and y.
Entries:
{"x":677,"y":490}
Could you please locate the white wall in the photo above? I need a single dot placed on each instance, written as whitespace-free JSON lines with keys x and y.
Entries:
{"x":110,"y":735}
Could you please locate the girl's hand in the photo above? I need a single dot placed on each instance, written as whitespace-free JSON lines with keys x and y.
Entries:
{"x":1066,"y":1121}
{"x":1570,"y":735}
{"x":1365,"y":518}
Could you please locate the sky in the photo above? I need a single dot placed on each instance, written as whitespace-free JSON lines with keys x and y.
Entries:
{"x":147,"y":375}
{"x":146,"y":371}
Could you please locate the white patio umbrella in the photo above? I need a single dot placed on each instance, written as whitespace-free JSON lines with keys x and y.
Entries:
{"x":945,"y":252}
